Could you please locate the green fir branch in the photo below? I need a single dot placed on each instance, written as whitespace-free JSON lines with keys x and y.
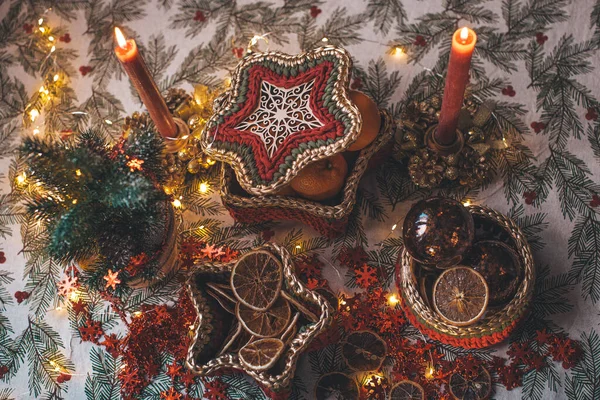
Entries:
{"x":584,"y":381}
{"x":385,"y":13}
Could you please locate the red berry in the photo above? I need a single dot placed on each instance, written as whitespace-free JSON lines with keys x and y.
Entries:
{"x":65,"y":38}
{"x":199,"y":16}
{"x":85,"y":69}
{"x":315,"y":11}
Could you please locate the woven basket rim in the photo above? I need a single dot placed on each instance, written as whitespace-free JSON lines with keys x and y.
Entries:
{"x":492,"y":323}
{"x":339,"y":94}
{"x":298,"y":344}
{"x":337,"y":211}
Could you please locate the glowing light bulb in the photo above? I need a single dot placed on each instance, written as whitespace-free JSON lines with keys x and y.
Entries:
{"x":40,"y":21}
{"x":176,"y":203}
{"x":108,"y":122}
{"x":429,"y":372}
{"x":42,"y":29}
{"x":36,"y":131}
{"x":201,"y":227}
{"x":324,"y":40}
{"x":78,"y":172}
{"x":33,"y":114}
{"x":137,"y":314}
{"x":466,"y":203}
{"x":56,"y":78}
{"x":74,"y":201}
{"x":74,"y":296}
{"x":397,"y":51}
{"x":21,"y":178}
{"x":52,"y":49}
{"x":394,"y":227}
{"x":203,"y":187}
{"x":393,"y":300}
{"x":51,"y":38}
{"x":298,"y":247}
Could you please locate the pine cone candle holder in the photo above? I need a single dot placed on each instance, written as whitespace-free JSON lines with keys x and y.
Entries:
{"x":470,"y":167}
{"x":227,"y":336}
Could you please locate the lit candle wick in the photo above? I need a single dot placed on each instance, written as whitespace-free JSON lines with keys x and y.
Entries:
{"x":121,"y":41}
{"x":464,"y":34}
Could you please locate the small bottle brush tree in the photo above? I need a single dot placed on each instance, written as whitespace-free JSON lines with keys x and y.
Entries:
{"x":102,"y":204}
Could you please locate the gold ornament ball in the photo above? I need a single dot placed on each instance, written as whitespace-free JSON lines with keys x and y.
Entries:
{"x":193,"y":166}
{"x":184,"y":155}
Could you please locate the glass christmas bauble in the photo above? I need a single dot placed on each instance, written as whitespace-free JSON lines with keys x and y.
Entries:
{"x":438,"y":231}
{"x":499,"y":265}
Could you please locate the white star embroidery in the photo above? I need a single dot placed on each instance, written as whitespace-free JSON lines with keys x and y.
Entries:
{"x":281,"y":113}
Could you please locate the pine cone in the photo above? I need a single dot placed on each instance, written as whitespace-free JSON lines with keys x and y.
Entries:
{"x":176,"y":97}
{"x":138,"y":120}
{"x":473,"y":167}
{"x":426,"y":168}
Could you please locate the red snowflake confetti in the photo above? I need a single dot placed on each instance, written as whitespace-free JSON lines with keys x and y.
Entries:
{"x":352,"y":257}
{"x":170,"y":394}
{"x":112,"y":344}
{"x":366,"y":276}
{"x":538,"y":126}
{"x":112,"y":279}
{"x":131,"y":383}
{"x":509,"y":91}
{"x":137,"y":264}
{"x":420,"y":41}
{"x":238,"y":52}
{"x":85,"y":69}
{"x":79,"y":307}
{"x":215,"y":390}
{"x":188,"y":378}
{"x":199,"y":16}
{"x":209,"y":251}
{"x":174,"y":370}
{"x":21,"y":296}
{"x":315,"y":11}
{"x":67,"y":286}
{"x":511,"y":377}
{"x":529,"y":197}
{"x":91,"y":331}
{"x":66,"y":38}
{"x":541,"y":38}
{"x":542,"y":337}
{"x":521,"y":353}
{"x":595,"y":202}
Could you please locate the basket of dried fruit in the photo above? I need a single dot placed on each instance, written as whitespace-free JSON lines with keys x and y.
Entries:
{"x":294,"y":139}
{"x":466,"y":273}
{"x":254,"y":316}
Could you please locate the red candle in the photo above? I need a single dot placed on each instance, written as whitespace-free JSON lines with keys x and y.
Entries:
{"x":134,"y":65}
{"x":463,"y":43}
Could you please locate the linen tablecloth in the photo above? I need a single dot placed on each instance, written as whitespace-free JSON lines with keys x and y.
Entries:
{"x":536,"y":58}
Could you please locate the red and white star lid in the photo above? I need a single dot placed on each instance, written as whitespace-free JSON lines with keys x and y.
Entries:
{"x":281,"y":113}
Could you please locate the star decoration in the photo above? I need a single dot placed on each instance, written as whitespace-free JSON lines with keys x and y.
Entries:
{"x":112,"y":279}
{"x":135,"y":164}
{"x":282,"y":112}
{"x":67,"y":286}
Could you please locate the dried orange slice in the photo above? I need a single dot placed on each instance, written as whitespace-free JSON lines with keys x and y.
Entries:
{"x":267,"y":323}
{"x":407,"y":390}
{"x":262,"y":354}
{"x":256,"y":280}
{"x":460,"y":296}
{"x":336,"y":386}
{"x":477,"y":388}
{"x":364,"y":351}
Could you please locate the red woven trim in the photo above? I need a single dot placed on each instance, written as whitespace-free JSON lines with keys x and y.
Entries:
{"x":327,"y":227}
{"x":466,"y":343}
{"x":331,"y":129}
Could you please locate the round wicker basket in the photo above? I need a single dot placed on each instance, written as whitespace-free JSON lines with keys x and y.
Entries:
{"x":496,"y":325}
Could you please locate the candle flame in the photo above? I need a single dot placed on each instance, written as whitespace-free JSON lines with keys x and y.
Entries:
{"x":121,"y":41}
{"x":464,"y":33}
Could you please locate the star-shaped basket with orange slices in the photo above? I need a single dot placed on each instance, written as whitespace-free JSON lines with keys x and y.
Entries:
{"x":282,"y":113}
{"x":254,"y":316}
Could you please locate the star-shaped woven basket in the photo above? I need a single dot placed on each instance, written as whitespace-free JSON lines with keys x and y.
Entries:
{"x":202,"y":356}
{"x":281,"y":113}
